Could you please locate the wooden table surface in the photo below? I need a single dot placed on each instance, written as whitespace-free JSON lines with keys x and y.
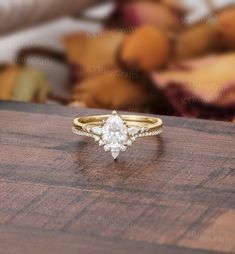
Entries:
{"x":61,"y":193}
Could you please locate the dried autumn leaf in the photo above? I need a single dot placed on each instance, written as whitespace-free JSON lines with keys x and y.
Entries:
{"x":111,"y":91}
{"x":91,"y":54}
{"x":211,"y":79}
{"x":225,"y":25}
{"x":7,"y":80}
{"x":195,"y":41}
{"x":145,"y":49}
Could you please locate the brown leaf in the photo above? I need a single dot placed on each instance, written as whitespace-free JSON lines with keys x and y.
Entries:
{"x":211,"y":79}
{"x":91,"y":54}
{"x":225,"y":25}
{"x":195,"y":41}
{"x":146,"y":49}
{"x":7,"y":80}
{"x":111,"y":90}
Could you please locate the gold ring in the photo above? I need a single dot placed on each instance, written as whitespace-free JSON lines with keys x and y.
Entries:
{"x":116,"y":132}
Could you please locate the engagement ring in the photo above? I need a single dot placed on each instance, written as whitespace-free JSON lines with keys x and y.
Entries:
{"x":116,"y":132}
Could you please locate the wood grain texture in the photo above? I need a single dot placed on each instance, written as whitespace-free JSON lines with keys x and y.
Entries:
{"x":61,"y":193}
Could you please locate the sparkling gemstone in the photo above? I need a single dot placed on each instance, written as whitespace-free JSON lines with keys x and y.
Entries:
{"x":133,"y":130}
{"x":114,"y":135}
{"x":97,"y":130}
{"x":115,"y":154}
{"x":97,"y":138}
{"x":129,"y":142}
{"x":101,"y":143}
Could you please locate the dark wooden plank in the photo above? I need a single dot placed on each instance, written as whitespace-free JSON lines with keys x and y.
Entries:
{"x":62,"y":193}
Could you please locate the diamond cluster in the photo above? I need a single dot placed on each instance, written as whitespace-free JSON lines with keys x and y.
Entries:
{"x":115,"y":135}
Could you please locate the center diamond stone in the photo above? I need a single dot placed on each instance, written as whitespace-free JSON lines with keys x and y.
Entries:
{"x":114,"y":135}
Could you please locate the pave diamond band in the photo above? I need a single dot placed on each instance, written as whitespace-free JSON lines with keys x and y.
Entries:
{"x":116,"y":132}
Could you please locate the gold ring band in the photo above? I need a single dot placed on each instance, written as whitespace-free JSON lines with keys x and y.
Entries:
{"x":117,"y":132}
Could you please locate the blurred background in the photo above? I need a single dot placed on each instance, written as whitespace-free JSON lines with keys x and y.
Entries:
{"x":170,"y":57}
